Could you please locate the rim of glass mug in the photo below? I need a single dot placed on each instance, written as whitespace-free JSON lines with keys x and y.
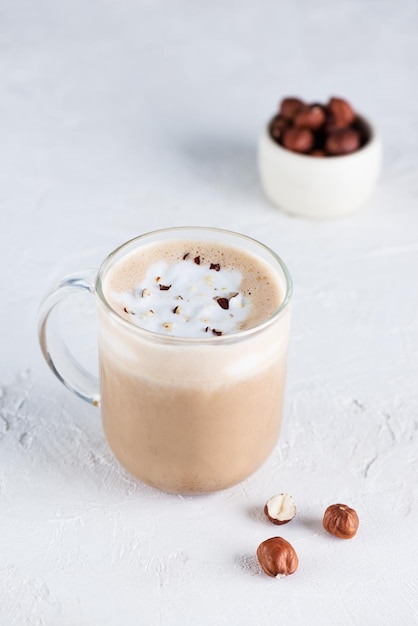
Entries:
{"x":71,"y":373}
{"x":132,"y":244}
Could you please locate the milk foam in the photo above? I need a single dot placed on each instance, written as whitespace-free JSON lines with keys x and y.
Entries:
{"x":187,"y":299}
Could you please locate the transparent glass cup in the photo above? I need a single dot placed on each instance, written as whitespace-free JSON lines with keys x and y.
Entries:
{"x":185,"y":415}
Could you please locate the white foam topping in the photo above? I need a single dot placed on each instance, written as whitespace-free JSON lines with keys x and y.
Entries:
{"x":187,"y":299}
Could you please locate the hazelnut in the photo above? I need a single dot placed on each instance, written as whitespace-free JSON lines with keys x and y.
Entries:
{"x":277,"y":126}
{"x":317,"y":129}
{"x":341,"y":112}
{"x":363,"y":129}
{"x":289,"y":106}
{"x":342,"y":141}
{"x":298,"y":139}
{"x":310,"y":117}
{"x":277,"y":557}
{"x":340,"y":520}
{"x":280,"y":509}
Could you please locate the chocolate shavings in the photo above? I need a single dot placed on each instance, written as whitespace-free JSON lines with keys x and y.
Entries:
{"x":218,"y":333}
{"x":197,"y":260}
{"x":164,"y":287}
{"x":186,"y":255}
{"x":223,"y":302}
{"x":215,"y":266}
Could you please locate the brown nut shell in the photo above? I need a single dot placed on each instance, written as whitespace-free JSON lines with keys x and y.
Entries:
{"x":341,"y":112}
{"x":277,"y":557}
{"x":277,"y":127}
{"x":342,"y":141}
{"x":290,"y":106}
{"x":298,"y":139}
{"x":341,"y":521}
{"x":312,"y":117}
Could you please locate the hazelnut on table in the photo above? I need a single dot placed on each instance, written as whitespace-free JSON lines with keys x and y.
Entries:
{"x":277,"y":557}
{"x":341,"y":521}
{"x":280,"y":509}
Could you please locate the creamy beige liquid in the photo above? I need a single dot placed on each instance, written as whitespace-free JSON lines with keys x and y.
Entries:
{"x":193,"y":416}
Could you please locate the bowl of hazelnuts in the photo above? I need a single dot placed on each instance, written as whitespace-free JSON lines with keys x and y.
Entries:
{"x":319,"y":160}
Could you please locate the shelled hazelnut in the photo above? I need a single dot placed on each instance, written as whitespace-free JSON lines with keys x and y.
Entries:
{"x":318,"y":130}
{"x":280,"y":509}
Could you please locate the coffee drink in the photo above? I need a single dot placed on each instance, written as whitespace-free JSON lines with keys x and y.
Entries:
{"x":193,"y":337}
{"x":192,"y":289}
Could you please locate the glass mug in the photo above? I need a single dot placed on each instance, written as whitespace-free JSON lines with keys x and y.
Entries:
{"x":185,"y":415}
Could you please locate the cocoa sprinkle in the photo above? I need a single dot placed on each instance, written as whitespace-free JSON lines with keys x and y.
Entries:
{"x":215,"y":266}
{"x":218,"y":333}
{"x":186,"y":255}
{"x":164,"y":287}
{"x":176,"y":310}
{"x":197,"y":260}
{"x":223,"y":302}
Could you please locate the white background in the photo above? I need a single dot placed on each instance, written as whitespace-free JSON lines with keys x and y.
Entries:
{"x":121,"y":116}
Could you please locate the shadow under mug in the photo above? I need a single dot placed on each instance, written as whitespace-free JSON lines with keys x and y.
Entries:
{"x":185,"y":415}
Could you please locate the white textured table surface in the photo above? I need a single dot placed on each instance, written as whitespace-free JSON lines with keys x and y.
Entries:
{"x":119,"y":117}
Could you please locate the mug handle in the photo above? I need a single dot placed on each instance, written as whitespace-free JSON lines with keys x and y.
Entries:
{"x":65,"y":367}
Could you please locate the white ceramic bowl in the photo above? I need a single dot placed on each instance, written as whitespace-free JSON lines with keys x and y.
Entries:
{"x":319,"y":186}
